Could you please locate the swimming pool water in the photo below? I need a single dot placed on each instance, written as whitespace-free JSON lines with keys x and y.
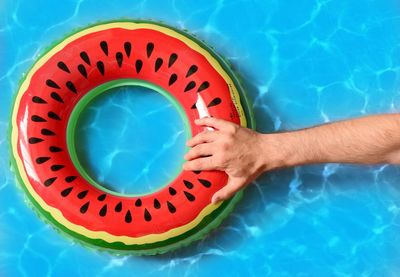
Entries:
{"x":302,"y":63}
{"x":131,"y":140}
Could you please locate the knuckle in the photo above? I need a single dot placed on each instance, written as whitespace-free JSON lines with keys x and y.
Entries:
{"x":209,"y":120}
{"x":188,"y":166}
{"x":201,"y":149}
{"x":229,"y":136}
{"x":225,"y":146}
{"x":211,"y":161}
{"x":231,"y":128}
{"x":227,"y":142}
{"x":195,"y":150}
{"x":202,"y":136}
{"x":203,"y":133}
{"x":221,"y":160}
{"x":207,"y":134}
{"x":197,"y":163}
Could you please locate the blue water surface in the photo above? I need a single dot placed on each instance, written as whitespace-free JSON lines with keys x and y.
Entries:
{"x":131,"y":140}
{"x":302,"y":63}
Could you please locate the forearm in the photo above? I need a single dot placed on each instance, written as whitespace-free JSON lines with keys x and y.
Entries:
{"x":367,"y":140}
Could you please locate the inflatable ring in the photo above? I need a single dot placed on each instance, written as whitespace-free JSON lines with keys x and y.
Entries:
{"x":71,"y":74}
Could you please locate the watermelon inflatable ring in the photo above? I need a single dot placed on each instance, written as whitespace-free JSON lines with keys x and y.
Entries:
{"x":59,"y":86}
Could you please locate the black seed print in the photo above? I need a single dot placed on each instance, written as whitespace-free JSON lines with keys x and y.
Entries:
{"x":205,"y":183}
{"x":118,"y":207}
{"x":193,"y":106}
{"x":214,"y":102}
{"x":55,"y":149}
{"x":172,"y":191}
{"x":82,"y":70}
{"x":147,"y":215}
{"x":104,"y":47}
{"x":66,"y":192}
{"x":149,"y":49}
{"x":190,"y":86}
{"x":172,"y":59}
{"x":53,"y":115}
{"x":171,"y":207}
{"x":41,"y":160}
{"x":128,"y":217}
{"x":85,"y":207}
{"x":56,"y":167}
{"x":192,"y":69}
{"x":103,"y":210}
{"x":38,"y":100}
{"x":100,"y":67}
{"x":138,"y":66}
{"x":203,"y":86}
{"x":82,"y":194}
{"x":47,"y":132}
{"x":85,"y":57}
{"x":70,"y":179}
{"x":37,"y":118}
{"x":102,"y":197}
{"x":157,"y":203}
{"x":138,"y":202}
{"x":188,"y":184}
{"x":34,"y":140}
{"x":120,"y":58}
{"x":197,"y":172}
{"x":63,"y":67}
{"x":158,"y":64}
{"x":52,"y":84}
{"x":127,"y":47}
{"x":189,"y":196}
{"x":172,"y":79}
{"x":49,"y":181}
{"x":56,"y":97}
{"x":71,"y":86}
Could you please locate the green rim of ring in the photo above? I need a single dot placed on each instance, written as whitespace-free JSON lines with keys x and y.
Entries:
{"x":89,"y":97}
{"x":209,"y":223}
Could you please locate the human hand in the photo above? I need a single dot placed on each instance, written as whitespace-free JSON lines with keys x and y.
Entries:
{"x":244,"y":154}
{"x":231,"y":148}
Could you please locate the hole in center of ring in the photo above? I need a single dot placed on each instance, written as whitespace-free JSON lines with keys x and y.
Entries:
{"x":129,"y":137}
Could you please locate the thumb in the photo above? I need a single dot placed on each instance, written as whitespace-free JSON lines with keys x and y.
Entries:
{"x":231,"y":187}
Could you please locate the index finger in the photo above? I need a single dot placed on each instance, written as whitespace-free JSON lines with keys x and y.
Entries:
{"x":216,"y":123}
{"x":203,"y":137}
